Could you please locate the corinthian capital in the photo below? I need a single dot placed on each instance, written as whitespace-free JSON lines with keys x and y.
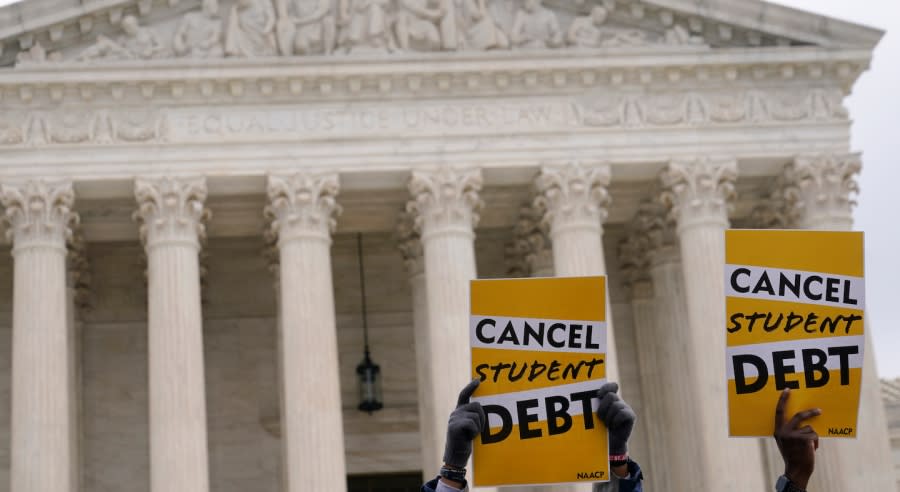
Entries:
{"x":821,"y":189}
{"x":573,"y":195}
{"x":532,"y":242}
{"x":445,"y":199}
{"x":170,"y":210}
{"x":699,"y":191}
{"x":303,"y":205}
{"x":39,"y":213}
{"x":409,"y":242}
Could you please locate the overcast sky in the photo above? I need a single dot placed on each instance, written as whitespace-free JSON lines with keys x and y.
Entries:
{"x":875,"y":109}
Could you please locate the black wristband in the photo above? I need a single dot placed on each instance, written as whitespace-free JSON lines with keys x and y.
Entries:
{"x":455,"y":474}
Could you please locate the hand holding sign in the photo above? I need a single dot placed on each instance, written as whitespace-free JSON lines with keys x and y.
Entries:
{"x":797,"y":444}
{"x":617,"y":416}
{"x":465,"y":423}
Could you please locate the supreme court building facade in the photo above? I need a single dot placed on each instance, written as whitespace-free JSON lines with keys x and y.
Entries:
{"x":182,"y":184}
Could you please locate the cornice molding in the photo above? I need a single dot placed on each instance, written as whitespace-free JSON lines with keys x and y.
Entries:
{"x":416,"y":76}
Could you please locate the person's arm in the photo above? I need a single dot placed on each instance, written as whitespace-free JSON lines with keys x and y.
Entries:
{"x":797,"y":444}
{"x":465,"y":423}
{"x":619,"y":419}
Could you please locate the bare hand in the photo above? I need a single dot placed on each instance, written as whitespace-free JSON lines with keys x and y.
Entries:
{"x":797,"y":444}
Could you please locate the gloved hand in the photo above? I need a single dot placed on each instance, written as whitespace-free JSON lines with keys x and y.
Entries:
{"x":465,"y":423}
{"x":617,"y":416}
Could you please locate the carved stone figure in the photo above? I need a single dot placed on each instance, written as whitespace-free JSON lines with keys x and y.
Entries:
{"x":36,"y":54}
{"x":251,"y":29}
{"x":138,"y":43}
{"x":536,"y":27}
{"x":199,"y":34}
{"x":417,"y":24}
{"x":680,"y":35}
{"x":472,"y":27}
{"x":588,"y":32}
{"x":364,"y":26}
{"x":304,"y":31}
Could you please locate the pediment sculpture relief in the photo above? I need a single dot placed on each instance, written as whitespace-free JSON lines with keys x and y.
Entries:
{"x":137,"y":43}
{"x":254,"y":28}
{"x":199,"y":34}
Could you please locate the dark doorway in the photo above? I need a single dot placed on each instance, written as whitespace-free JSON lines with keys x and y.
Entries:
{"x":385,"y":482}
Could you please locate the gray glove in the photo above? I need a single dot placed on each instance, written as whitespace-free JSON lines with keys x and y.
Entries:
{"x":617,"y":416}
{"x":465,"y":423}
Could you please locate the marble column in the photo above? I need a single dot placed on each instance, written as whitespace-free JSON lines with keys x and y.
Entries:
{"x":445,"y":205}
{"x":410,"y":244}
{"x":302,"y":207}
{"x":38,"y":216}
{"x":822,"y":188}
{"x":661,"y":319}
{"x":78,"y":281}
{"x":172,"y":219}
{"x":698,"y":192}
{"x":574,"y":199}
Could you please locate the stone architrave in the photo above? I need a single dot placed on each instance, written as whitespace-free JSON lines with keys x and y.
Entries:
{"x":574,"y":199}
{"x":823,"y":188}
{"x":698,"y":192}
{"x":302,"y":208}
{"x":445,"y":204}
{"x":39,"y":216}
{"x":410,"y":244}
{"x":172,"y":215}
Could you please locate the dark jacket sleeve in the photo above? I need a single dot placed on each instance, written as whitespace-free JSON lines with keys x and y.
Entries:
{"x":630,"y":484}
{"x":430,"y":486}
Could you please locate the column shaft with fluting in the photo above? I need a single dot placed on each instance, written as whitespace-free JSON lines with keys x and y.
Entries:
{"x":39,"y":215}
{"x":302,"y":208}
{"x":824,"y":186}
{"x":410,"y":245}
{"x":698,"y":191}
{"x":172,"y":214}
{"x":445,"y":204}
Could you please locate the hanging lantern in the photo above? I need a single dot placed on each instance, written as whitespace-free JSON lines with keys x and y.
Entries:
{"x":367,"y":370}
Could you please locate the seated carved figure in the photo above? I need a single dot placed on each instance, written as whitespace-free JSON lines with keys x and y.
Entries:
{"x":471,"y":27}
{"x":305,"y":32}
{"x":138,"y":43}
{"x":417,"y":24}
{"x":536,"y":27}
{"x":251,"y":29}
{"x":364,"y":26}
{"x":587,"y":32}
{"x":199,"y":34}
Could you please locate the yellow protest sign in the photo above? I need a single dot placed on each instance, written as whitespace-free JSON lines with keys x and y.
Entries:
{"x":539,"y":348}
{"x":794,"y":304}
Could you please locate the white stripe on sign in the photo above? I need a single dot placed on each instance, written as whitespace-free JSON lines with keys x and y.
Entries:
{"x":546,"y":335}
{"x":576,"y":394}
{"x":824,"y":289}
{"x":798,"y":354}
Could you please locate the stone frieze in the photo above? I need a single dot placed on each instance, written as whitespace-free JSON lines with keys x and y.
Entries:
{"x":606,"y":110}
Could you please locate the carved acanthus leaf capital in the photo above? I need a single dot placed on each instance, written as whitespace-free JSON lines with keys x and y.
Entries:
{"x":303,"y":205}
{"x":409,"y":242}
{"x":39,"y":213}
{"x":171,"y":210}
{"x":445,"y":199}
{"x":776,"y":208}
{"x":532,"y":243}
{"x":699,"y":191}
{"x":821,"y":189}
{"x":634,"y":259}
{"x":79,"y":271}
{"x":573,"y":195}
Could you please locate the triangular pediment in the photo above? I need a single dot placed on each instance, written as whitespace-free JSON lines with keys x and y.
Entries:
{"x":52,"y":31}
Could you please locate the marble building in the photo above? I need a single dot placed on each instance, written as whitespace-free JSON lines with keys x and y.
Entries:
{"x":182,"y":183}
